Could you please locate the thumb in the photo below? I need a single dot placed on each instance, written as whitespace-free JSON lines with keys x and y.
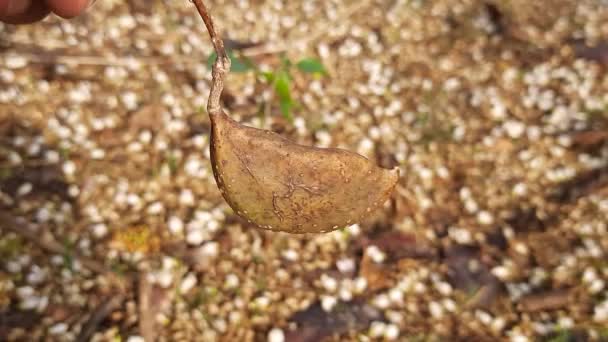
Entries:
{"x":22,"y":11}
{"x":68,"y":8}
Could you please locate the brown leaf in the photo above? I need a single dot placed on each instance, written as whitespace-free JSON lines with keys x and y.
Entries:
{"x":589,"y":139}
{"x":17,"y":319}
{"x":281,"y":186}
{"x":466,"y":272}
{"x":45,"y":180}
{"x":598,"y":53}
{"x":399,"y":245}
{"x":440,"y":219}
{"x":146,"y":118}
{"x":315,"y":324}
{"x":60,"y":312}
{"x":582,"y":185}
{"x":548,"y":247}
{"x":376,"y":275}
{"x":549,"y":300}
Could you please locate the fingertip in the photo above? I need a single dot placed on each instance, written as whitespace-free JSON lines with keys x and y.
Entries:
{"x":35,"y":11}
{"x":68,"y":8}
{"x":9,"y":8}
{"x":3,"y":8}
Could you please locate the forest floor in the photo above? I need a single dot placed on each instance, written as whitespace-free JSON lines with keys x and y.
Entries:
{"x":112,"y":227}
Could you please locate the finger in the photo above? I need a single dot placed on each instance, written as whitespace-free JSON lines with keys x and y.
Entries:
{"x":22,"y":11}
{"x":9,"y":8}
{"x":68,"y":8}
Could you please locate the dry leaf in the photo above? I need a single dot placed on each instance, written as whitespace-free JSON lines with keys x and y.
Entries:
{"x":281,"y":186}
{"x":376,"y":275}
{"x":315,"y":324}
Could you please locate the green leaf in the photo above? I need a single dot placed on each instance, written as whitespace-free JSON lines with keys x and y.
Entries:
{"x":281,"y":87}
{"x":239,"y":64}
{"x":311,"y":66}
{"x":285,"y":62}
{"x":561,"y":336}
{"x":172,"y":162}
{"x":268,"y":76}
{"x":286,"y":110}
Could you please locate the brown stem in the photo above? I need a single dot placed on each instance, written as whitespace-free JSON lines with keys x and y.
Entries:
{"x":222,"y":64}
{"x":98,"y":316}
{"x":147,"y":310}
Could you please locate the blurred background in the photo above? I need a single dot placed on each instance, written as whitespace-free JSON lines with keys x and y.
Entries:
{"x":112,"y":227}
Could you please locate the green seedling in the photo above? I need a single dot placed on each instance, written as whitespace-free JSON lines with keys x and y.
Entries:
{"x":280,"y":79}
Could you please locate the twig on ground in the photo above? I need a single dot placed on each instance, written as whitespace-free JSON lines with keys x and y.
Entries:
{"x":122,"y":61}
{"x":146,"y":312}
{"x":90,"y":327}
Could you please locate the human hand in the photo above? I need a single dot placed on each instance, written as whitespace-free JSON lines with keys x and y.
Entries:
{"x":29,"y":11}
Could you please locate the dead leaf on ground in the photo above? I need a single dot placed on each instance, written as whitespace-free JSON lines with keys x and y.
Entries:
{"x":398,"y":245}
{"x":376,"y":275}
{"x":137,"y":238}
{"x":441,"y":218}
{"x":546,"y":247}
{"x":314,"y":324}
{"x":548,"y":300}
{"x":44,"y":179}
{"x":589,"y":139}
{"x":146,"y":118}
{"x":17,"y":319}
{"x":598,"y":53}
{"x":467,"y":273}
{"x":584,"y":184}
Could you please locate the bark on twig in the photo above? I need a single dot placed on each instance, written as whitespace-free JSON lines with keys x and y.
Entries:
{"x":221,"y":67}
{"x":98,"y":316}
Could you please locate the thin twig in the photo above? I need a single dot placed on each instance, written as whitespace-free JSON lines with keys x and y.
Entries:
{"x":221,"y":66}
{"x":147,"y":313}
{"x":90,"y":327}
{"x":545,"y":301}
{"x":44,"y":58}
{"x":41,"y":54}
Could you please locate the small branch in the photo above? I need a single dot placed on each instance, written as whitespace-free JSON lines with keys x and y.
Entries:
{"x":97,"y":317}
{"x":147,"y":312}
{"x":121,"y":61}
{"x":546,"y":301}
{"x":221,"y":67}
